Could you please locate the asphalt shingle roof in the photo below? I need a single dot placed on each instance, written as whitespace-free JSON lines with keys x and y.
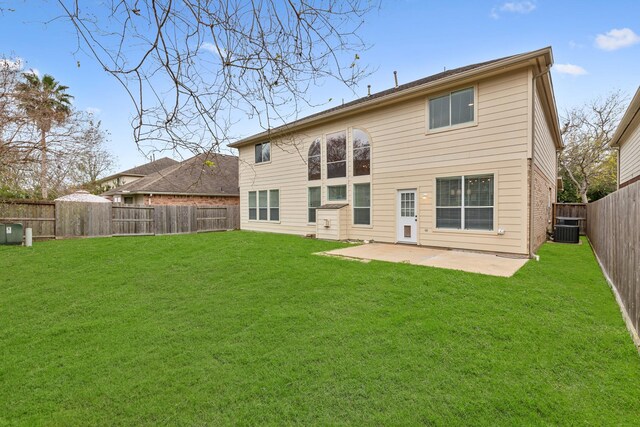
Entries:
{"x":205,"y":174}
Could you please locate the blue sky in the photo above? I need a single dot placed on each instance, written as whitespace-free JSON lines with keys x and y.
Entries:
{"x":596,"y":49}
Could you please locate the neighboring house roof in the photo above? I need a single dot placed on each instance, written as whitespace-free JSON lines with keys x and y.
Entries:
{"x":146,"y":169}
{"x":82,"y":196}
{"x":418,"y":87}
{"x":632,"y":115}
{"x":209,"y":174}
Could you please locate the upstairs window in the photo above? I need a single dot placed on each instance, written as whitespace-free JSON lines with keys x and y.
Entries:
{"x":337,"y":155}
{"x":263,"y":152}
{"x":314,"y":160}
{"x":361,"y":153}
{"x":452,"y":109}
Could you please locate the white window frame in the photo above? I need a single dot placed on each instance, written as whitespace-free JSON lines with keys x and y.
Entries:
{"x":354,"y":207}
{"x":474,"y":122}
{"x":463,"y":206}
{"x":268,"y":206}
{"x":346,"y":193}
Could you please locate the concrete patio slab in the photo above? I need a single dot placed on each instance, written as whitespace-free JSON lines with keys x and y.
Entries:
{"x":493,"y":265}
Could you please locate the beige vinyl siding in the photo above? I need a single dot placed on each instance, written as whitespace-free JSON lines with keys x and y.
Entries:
{"x":406,"y":156}
{"x":545,"y":149}
{"x":630,"y":155}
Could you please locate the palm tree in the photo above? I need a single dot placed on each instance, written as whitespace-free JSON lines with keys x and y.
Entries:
{"x":45,"y":102}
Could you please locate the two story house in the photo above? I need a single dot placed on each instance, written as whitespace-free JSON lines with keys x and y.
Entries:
{"x":627,"y":140}
{"x":462,"y":159}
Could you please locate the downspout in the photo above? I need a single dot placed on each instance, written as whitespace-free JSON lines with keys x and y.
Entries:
{"x":533,"y":156}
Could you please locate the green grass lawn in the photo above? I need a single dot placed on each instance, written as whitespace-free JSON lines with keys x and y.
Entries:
{"x":249,"y":328}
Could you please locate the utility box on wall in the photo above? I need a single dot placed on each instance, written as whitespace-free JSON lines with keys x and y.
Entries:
{"x":331,"y":222}
{"x":11,"y":234}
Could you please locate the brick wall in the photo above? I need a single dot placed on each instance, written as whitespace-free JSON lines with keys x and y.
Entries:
{"x":544,"y":197}
{"x":164,"y":199}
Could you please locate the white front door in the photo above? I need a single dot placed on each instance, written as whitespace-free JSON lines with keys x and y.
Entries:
{"x":407,"y":217}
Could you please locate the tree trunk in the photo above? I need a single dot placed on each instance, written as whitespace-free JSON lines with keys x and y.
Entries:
{"x":584,"y":198}
{"x":43,"y":165}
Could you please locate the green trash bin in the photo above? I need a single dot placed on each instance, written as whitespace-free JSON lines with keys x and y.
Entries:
{"x":11,"y":234}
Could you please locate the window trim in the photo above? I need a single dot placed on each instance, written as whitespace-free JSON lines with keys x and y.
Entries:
{"x":263,"y":162}
{"x":268,"y":207}
{"x":354,"y":207}
{"x":462,"y":230}
{"x":346,"y":193}
{"x":472,"y":123}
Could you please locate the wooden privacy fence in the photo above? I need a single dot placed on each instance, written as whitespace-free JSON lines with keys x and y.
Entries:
{"x":79,"y":219}
{"x":39,"y":216}
{"x":573,"y":210}
{"x":614,"y":232}
{"x":82,"y":219}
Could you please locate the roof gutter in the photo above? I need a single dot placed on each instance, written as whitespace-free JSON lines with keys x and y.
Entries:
{"x":518,"y":60}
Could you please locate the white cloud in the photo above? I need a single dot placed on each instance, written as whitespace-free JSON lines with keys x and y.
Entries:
{"x":617,"y":39}
{"x":575,"y":45}
{"x":573,"y":70}
{"x":209,"y":47}
{"x":522,"y":7}
{"x":93,"y":110}
{"x":12,"y":64}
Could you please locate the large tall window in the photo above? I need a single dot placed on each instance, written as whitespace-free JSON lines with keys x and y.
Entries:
{"x":361,"y":153}
{"x":315,"y":200}
{"x":337,"y":155}
{"x":263,"y":152}
{"x":314,"y":160}
{"x":451,"y":109}
{"x":362,"y":204}
{"x":465,"y":202}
